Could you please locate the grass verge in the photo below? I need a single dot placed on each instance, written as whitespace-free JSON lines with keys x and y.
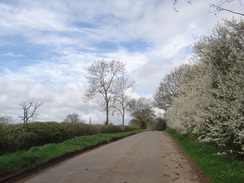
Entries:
{"x":217,"y":168}
{"x":15,"y":161}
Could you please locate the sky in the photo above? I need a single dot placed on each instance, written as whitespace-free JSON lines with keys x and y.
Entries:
{"x":46,"y":47}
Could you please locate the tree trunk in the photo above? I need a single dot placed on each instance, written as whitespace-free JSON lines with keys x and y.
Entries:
{"x":107,"y":113}
{"x":123,"y":117}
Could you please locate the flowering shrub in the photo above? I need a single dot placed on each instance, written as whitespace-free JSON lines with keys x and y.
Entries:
{"x":211,"y":104}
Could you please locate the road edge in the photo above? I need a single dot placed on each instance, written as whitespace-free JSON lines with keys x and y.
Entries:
{"x":201,"y":176}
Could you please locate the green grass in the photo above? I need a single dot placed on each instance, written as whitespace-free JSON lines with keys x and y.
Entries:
{"x":217,"y":168}
{"x":14,"y":161}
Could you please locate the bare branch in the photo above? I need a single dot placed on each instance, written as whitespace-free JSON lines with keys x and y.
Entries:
{"x":218,"y":7}
{"x":101,"y":78}
{"x":29,"y":110}
{"x":175,"y":2}
{"x":168,"y":88}
{"x":122,"y":99}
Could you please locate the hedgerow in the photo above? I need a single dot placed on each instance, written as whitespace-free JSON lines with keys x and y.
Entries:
{"x":14,"y":137}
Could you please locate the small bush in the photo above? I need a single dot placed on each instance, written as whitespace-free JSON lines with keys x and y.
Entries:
{"x":157,"y":124}
{"x":152,"y":125}
{"x":161,"y":125}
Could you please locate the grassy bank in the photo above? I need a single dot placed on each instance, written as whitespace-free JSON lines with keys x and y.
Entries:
{"x":217,"y":168}
{"x":14,"y":161}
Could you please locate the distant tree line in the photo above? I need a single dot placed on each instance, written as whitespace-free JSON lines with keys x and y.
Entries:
{"x":6,"y":119}
{"x":110,"y":86}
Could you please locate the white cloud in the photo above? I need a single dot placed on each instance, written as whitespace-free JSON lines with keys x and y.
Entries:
{"x":11,"y":54}
{"x":133,"y":60}
{"x":31,"y":15}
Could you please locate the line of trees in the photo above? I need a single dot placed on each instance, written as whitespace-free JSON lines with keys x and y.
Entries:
{"x":208,"y":97}
{"x":30,"y":113}
{"x":109,"y":84}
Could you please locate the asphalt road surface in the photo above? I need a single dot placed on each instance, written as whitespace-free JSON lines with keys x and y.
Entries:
{"x":147,"y":157}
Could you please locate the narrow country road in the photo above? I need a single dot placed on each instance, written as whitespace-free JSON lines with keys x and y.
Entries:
{"x":148,"y":157}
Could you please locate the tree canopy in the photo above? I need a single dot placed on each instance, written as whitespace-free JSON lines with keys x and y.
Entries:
{"x":108,"y":83}
{"x":142,"y":111}
{"x":73,"y":118}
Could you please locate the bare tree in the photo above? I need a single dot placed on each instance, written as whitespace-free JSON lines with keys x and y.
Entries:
{"x":101,"y":78}
{"x":168,"y":88}
{"x":122,"y":98}
{"x":218,"y":7}
{"x":142,"y":110}
{"x":6,"y":119}
{"x":30,"y":110}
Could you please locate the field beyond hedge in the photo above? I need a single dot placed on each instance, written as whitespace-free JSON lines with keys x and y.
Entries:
{"x":18,"y":137}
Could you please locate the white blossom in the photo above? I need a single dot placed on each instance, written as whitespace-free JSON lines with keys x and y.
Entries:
{"x":211,"y":104}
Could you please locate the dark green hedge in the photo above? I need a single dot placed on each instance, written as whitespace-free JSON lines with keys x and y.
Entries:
{"x":16,"y":137}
